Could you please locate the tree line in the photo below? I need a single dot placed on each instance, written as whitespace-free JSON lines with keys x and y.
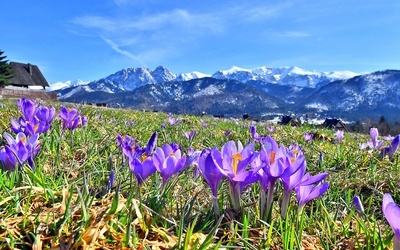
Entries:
{"x":6,"y":71}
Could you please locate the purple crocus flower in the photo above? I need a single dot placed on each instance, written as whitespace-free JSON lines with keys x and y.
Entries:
{"x":253,"y":132}
{"x":28,"y":127}
{"x":84,"y":120}
{"x":392,"y":214}
{"x":189,"y":135}
{"x":279,"y":162}
{"x":140,"y":160}
{"x":388,"y":138}
{"x":129,"y":147}
{"x":290,"y":182}
{"x":308,"y":137}
{"x":358,"y":204}
{"x":232,"y":161}
{"x":71,"y":118}
{"x":227,"y":132}
{"x":142,"y":168}
{"x":172,"y":121}
{"x":254,"y":135}
{"x":339,"y":135}
{"x":151,"y":144}
{"x":392,"y":148}
{"x":34,"y":119}
{"x":19,"y":151}
{"x":193,"y":159}
{"x":271,"y":129}
{"x":211,"y":174}
{"x":306,"y":192}
{"x":168,"y":162}
{"x":374,"y":133}
{"x":45,"y":114}
{"x":27,"y":107}
{"x":373,"y":143}
{"x":126,"y":139}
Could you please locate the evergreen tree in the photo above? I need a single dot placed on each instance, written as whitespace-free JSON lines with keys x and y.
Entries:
{"x":5,"y":70}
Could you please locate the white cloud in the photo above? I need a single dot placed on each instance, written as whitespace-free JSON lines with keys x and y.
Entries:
{"x":116,"y":48}
{"x":173,"y":32}
{"x":294,"y":34}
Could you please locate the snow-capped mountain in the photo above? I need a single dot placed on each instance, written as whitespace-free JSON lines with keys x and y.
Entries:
{"x":195,"y":96}
{"x":293,"y":76}
{"x":189,"y":76}
{"x":338,"y":93}
{"x":132,"y":78}
{"x":63,"y":85}
{"x":376,"y":93}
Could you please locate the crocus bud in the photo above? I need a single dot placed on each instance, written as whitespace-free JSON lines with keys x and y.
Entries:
{"x":358,"y":204}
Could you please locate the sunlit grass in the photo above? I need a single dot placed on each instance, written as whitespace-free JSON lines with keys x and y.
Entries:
{"x":64,"y":202}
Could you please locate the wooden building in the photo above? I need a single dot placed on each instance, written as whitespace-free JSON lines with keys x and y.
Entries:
{"x":334,"y":124}
{"x":27,"y":81}
{"x":288,"y":120}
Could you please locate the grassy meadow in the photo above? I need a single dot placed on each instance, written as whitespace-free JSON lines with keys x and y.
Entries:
{"x":67,"y":200}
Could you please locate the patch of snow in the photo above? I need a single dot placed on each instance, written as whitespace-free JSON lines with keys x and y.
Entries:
{"x":234,"y":69}
{"x":62,"y":85}
{"x":210,"y":90}
{"x":341,"y":74}
{"x":189,"y":76}
{"x":318,"y":106}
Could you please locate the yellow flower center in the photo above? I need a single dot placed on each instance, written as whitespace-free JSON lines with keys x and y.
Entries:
{"x":272,"y":157}
{"x":236,"y":158}
{"x":35,"y":128}
{"x":144,"y":157}
{"x":23,"y":139}
{"x":172,"y":154}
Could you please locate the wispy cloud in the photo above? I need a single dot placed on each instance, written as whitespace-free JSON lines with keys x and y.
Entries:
{"x":292,"y":34}
{"x":260,"y":13}
{"x":96,"y":22}
{"x":171,"y":32}
{"x":126,"y":53}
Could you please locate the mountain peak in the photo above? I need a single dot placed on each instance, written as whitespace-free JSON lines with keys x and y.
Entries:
{"x":132,"y":78}
{"x":234,"y":69}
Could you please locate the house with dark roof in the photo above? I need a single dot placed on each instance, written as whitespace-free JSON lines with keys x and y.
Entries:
{"x":288,"y":120}
{"x":27,"y":81}
{"x":335,"y":124}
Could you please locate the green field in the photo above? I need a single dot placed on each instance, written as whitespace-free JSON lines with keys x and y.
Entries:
{"x":67,"y":201}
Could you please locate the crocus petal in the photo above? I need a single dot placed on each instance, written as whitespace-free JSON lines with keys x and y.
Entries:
{"x":373,"y":133}
{"x":358,"y":204}
{"x":151,"y":144}
{"x":392,"y":214}
{"x":305,"y":194}
{"x":387,"y":198}
{"x":142,"y":170}
{"x":28,"y":109}
{"x":210,"y":171}
{"x":10,"y":140}
{"x":313,"y":179}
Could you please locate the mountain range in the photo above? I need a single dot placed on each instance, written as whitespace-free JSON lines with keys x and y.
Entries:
{"x":260,"y":92}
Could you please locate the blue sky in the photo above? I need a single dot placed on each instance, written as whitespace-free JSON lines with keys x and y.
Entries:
{"x":90,"y":39}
